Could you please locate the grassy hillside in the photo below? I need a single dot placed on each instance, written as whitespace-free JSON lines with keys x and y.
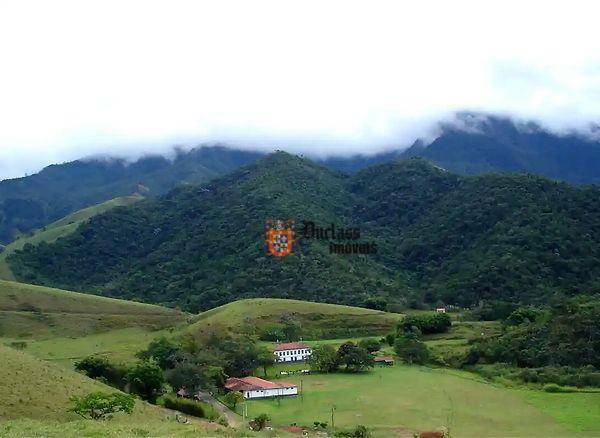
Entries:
{"x":36,"y":395}
{"x":28,"y":311}
{"x":317,"y":320}
{"x":61,"y":228}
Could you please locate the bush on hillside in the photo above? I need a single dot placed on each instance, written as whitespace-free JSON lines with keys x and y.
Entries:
{"x":185,"y":405}
{"x":359,"y":431}
{"x":97,"y":367}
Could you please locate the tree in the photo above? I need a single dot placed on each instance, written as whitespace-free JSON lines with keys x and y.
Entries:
{"x":266,"y":358}
{"x":354,"y":357}
{"x":291,"y":329}
{"x":370,"y":344}
{"x":147,"y":380}
{"x":100,"y":406}
{"x":410,"y":348}
{"x":324,"y":359}
{"x":163,"y":351}
{"x":376,"y":303}
{"x":233,"y":398}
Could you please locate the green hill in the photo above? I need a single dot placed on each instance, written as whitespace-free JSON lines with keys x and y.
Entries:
{"x":315,"y":320}
{"x":35,"y":398}
{"x":58,"y":229}
{"x":440,"y":238}
{"x":28,"y":311}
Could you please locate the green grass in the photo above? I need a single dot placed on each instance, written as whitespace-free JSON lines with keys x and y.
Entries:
{"x":62,"y":227}
{"x":395,"y":399}
{"x":117,"y":345}
{"x":166,"y":427}
{"x":576,"y":411}
{"x":318,"y":320}
{"x":37,"y":312}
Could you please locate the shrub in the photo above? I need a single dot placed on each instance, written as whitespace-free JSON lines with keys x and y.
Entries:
{"x":359,"y":431}
{"x":187,"y":406}
{"x":553,"y":387}
{"x":18,"y":345}
{"x":260,"y":421}
{"x":100,"y":406}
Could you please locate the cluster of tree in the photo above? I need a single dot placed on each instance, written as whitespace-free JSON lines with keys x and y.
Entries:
{"x":354,"y":358}
{"x":144,"y":378}
{"x":440,"y":237}
{"x":565,"y":334}
{"x":407,"y":339}
{"x":204,"y":365}
{"x":427,"y":323}
{"x":183,"y":363}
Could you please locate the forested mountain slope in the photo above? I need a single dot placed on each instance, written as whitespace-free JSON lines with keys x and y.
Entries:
{"x":439,"y":236}
{"x":37,"y":200}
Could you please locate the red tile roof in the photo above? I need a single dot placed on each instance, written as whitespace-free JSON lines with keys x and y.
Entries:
{"x":254,"y":383}
{"x":290,"y":346}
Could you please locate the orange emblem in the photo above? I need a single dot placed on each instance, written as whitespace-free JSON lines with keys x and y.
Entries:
{"x":280,"y":236}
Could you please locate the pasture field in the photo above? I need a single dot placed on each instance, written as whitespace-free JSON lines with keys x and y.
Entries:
{"x":117,"y":345}
{"x":38,"y":312}
{"x":318,"y":320}
{"x":58,"y":229}
{"x":397,"y":400}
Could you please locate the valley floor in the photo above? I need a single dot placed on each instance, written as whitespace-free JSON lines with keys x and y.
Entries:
{"x":398,"y":399}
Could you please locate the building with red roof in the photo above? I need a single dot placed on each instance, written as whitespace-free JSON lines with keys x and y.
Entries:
{"x":255,"y":387}
{"x":292,"y":352}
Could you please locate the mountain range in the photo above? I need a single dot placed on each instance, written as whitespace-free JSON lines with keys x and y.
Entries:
{"x":478,"y":144}
{"x":440,"y":238}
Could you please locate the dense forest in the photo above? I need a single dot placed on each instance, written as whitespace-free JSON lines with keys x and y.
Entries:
{"x":442,"y":238}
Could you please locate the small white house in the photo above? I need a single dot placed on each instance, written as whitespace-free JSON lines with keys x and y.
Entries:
{"x":292,"y":352}
{"x":255,"y":387}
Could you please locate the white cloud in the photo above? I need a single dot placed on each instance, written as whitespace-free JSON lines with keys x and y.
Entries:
{"x":124,"y":77}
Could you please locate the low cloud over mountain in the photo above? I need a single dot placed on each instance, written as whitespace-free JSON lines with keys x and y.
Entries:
{"x":124,"y":80}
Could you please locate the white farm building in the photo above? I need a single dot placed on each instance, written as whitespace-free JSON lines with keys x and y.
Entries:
{"x":254,"y":387}
{"x":292,"y":352}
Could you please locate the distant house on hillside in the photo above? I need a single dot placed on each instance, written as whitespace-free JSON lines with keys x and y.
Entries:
{"x":254,"y":387}
{"x":383,"y":360}
{"x":441,"y":310}
{"x":292,"y":352}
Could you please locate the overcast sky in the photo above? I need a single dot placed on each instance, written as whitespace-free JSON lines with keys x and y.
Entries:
{"x":127,"y":77}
